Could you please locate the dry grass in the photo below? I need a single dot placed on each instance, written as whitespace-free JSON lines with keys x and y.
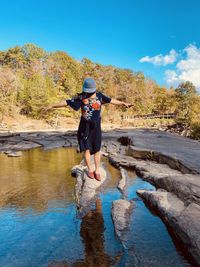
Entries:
{"x":23,"y":123}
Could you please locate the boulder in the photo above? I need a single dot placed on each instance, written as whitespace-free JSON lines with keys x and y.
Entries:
{"x":184,"y":220}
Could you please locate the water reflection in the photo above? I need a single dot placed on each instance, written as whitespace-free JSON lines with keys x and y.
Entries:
{"x":37,"y":179}
{"x":92,"y":233}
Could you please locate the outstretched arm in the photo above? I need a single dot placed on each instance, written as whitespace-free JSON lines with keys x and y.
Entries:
{"x":74,"y":103}
{"x":61,"y":104}
{"x":120,"y":103}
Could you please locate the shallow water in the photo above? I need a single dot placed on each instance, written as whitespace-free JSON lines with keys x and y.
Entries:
{"x":40,"y":226}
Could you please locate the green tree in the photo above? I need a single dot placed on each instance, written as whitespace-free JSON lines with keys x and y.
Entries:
{"x":8,"y":91}
{"x":13,"y":58}
{"x":187,"y":100}
{"x":35,"y":94}
{"x":163,"y":102}
{"x":32,"y":52}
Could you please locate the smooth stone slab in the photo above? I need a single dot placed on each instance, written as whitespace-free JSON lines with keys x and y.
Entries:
{"x":184,"y":220}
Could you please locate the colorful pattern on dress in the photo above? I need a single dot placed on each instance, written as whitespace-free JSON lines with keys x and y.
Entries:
{"x":89,"y":105}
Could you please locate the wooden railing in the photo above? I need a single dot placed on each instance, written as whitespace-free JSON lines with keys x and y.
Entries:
{"x":149,"y":116}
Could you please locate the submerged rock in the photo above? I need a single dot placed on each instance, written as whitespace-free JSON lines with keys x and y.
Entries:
{"x":121,"y":211}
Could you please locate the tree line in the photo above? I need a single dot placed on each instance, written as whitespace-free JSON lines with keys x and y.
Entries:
{"x":31,"y":78}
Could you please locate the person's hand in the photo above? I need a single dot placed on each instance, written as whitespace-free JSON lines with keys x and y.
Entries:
{"x":127,"y":105}
{"x":46,"y":109}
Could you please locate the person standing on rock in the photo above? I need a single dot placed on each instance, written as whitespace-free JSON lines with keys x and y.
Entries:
{"x":89,"y":130}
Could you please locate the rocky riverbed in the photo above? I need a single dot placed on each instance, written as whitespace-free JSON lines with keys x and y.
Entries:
{"x":170,"y":162}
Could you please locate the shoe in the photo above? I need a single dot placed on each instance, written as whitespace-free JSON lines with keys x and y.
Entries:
{"x":97,"y":176}
{"x":90,"y":175}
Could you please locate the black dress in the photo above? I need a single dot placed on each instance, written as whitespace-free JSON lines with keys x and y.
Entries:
{"x":89,"y":130}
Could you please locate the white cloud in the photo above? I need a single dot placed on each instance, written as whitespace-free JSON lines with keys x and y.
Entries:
{"x":161,"y":60}
{"x":171,"y":76}
{"x":187,"y":69}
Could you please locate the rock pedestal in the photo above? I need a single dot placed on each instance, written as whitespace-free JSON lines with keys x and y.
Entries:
{"x":87,"y":189}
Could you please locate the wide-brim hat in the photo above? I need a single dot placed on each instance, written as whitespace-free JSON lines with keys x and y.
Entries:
{"x":89,"y":85}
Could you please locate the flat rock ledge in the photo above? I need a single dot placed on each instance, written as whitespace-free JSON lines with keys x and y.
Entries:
{"x":29,"y":140}
{"x":165,"y":158}
{"x":13,"y":142}
{"x":177,"y":198}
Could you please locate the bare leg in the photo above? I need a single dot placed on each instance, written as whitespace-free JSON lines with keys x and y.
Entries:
{"x":97,"y":160}
{"x":87,"y":159}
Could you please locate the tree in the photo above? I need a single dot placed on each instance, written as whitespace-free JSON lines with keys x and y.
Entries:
{"x":32,"y":52}
{"x":187,"y":100}
{"x":163,"y":102}
{"x":13,"y":58}
{"x":7,"y":91}
{"x":35,"y":94}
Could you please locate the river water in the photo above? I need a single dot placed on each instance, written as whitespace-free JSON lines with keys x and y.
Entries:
{"x":40,"y":226}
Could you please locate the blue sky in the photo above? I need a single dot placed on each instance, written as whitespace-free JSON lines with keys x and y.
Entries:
{"x":114,"y":32}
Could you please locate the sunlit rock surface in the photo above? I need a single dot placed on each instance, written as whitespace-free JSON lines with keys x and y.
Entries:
{"x":184,"y":220}
{"x":87,"y":189}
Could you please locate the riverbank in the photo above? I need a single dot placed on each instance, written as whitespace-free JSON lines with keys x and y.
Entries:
{"x":21,"y":123}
